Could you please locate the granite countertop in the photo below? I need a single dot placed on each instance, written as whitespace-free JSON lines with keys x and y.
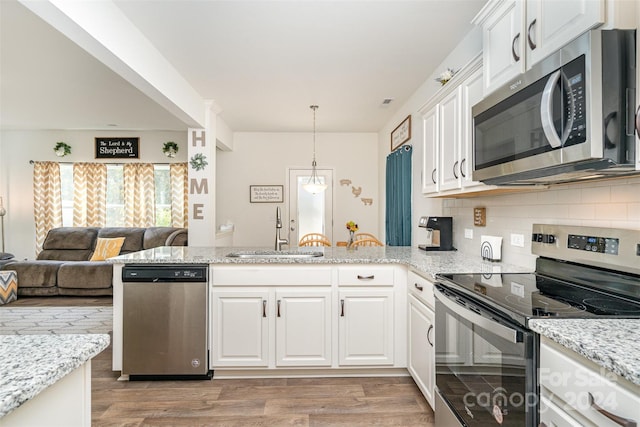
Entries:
{"x":31,"y":363}
{"x":430,"y":263}
{"x":613,"y":344}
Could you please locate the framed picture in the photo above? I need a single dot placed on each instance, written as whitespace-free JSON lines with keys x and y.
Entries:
{"x":117,"y":148}
{"x":401,"y":134}
{"x":266,"y":193}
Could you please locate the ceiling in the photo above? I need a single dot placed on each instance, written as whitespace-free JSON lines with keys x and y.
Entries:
{"x":262,"y":62}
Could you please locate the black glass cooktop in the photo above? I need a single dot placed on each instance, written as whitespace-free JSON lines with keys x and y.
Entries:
{"x":524,"y":296}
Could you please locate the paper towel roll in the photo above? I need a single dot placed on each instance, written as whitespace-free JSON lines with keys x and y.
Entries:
{"x":491,"y":248}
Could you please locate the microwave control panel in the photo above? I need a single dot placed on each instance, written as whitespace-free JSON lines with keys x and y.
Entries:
{"x":604,"y":245}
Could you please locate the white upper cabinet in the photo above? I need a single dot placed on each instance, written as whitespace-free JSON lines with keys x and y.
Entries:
{"x":519,"y":33}
{"x":430,"y":151}
{"x":447,"y":162}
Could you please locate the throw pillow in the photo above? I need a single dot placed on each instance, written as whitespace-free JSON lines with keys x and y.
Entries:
{"x":107,"y":248}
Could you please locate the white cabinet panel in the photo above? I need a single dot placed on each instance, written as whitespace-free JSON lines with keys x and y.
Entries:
{"x":430,"y":151}
{"x":240,"y":328}
{"x":450,"y":129}
{"x":303,"y":328}
{"x":422,"y":364}
{"x":366,"y":327}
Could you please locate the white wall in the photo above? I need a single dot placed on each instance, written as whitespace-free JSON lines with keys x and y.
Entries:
{"x":464,"y":52}
{"x":263,"y":159}
{"x":17,"y":148}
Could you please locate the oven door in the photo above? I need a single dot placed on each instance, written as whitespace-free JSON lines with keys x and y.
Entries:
{"x":485,"y":366}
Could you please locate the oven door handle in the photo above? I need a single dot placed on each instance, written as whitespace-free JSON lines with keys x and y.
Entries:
{"x":495,"y":328}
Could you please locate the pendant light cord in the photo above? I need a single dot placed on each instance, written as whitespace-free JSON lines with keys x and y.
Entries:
{"x":314,"y":108}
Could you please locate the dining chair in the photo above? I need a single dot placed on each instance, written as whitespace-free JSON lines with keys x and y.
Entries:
{"x":314,"y":239}
{"x":366,"y":242}
{"x":360,"y":236}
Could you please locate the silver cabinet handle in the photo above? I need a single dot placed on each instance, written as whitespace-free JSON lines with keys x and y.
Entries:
{"x":513,"y":48}
{"x":624,"y":422}
{"x":341,"y":308}
{"x":428,"y":336}
{"x":433,"y":176}
{"x":454,"y":170}
{"x":278,"y":312}
{"x":638,"y":121}
{"x":418,"y":287}
{"x":366,"y":277}
{"x":264,"y":308}
{"x":462,"y":168}
{"x":532,"y":45}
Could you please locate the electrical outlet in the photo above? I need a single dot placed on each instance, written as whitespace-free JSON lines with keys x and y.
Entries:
{"x":517,"y":240}
{"x":468,"y":233}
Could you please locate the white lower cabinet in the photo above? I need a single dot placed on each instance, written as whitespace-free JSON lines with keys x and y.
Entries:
{"x":248,"y":322}
{"x":303,"y":328}
{"x":240,"y":327}
{"x":577,"y":392}
{"x":421,"y":358}
{"x":366,"y":327}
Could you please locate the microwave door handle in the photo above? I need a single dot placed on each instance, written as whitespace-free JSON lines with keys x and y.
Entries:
{"x":546,"y":111}
{"x":495,"y":328}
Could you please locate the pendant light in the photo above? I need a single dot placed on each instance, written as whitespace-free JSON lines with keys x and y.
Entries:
{"x":314,"y":185}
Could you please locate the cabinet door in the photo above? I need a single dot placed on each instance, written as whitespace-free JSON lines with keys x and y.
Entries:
{"x":552,"y":24}
{"x":366,"y":327}
{"x":303,"y":328}
{"x":449,"y":120}
{"x":430,"y":151}
{"x":422,"y":364}
{"x":240,"y":327}
{"x":503,"y":45}
{"x":471,"y":95}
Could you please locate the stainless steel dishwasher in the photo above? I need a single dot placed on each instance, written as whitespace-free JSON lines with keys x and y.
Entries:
{"x":165,"y":322}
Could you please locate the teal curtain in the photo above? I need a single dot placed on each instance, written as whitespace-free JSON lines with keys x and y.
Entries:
{"x":398,"y":209}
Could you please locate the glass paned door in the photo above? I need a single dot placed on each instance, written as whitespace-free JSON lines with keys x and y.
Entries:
{"x":309,"y":213}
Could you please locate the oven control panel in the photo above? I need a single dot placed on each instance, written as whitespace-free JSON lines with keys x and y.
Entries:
{"x":603,"y":245}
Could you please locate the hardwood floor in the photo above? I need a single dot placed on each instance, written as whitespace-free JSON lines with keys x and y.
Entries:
{"x":353,"y":402}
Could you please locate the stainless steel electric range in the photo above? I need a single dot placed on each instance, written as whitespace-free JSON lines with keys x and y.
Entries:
{"x":487,"y":357}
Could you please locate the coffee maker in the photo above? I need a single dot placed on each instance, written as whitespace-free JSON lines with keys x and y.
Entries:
{"x":439,"y":233}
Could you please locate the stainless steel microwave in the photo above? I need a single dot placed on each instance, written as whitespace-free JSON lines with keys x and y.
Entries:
{"x":570,"y":117}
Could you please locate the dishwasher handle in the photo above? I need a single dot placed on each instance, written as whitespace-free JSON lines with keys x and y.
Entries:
{"x":165,"y":273}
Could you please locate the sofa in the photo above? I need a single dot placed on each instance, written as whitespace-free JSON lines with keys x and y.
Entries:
{"x":64,"y":265}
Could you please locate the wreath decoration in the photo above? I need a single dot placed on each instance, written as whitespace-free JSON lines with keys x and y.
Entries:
{"x":198,"y":161}
{"x":61,"y":149}
{"x":170,"y":149}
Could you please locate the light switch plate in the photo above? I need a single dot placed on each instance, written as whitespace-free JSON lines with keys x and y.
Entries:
{"x":468,"y":233}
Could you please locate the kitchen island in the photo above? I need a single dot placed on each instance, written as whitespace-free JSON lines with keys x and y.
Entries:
{"x":46,"y":379}
{"x":342,"y":313}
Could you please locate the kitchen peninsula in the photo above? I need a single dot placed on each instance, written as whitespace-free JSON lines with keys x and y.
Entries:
{"x":341,"y":313}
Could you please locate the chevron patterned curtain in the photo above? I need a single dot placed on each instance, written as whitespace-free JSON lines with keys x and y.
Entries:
{"x":89,"y":194}
{"x":179,"y":190}
{"x":47,"y":199}
{"x":139,"y":191}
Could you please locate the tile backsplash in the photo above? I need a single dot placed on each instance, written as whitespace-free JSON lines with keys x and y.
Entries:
{"x":610,"y":203}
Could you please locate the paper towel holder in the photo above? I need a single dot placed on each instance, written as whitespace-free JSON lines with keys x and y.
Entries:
{"x":491,"y":248}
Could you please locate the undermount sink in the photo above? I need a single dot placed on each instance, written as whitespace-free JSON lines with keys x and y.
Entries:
{"x":274,"y":254}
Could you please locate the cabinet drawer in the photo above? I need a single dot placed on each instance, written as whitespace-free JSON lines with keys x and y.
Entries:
{"x":579,"y":385}
{"x":421,"y":288}
{"x":363,"y":275}
{"x":271,"y":276}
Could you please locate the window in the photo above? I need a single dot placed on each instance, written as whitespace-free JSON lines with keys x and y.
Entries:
{"x":115,"y":195}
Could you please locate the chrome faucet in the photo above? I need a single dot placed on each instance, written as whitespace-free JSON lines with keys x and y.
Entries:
{"x":279,"y":240}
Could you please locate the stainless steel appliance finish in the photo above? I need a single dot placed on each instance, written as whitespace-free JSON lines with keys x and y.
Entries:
{"x":165,"y":322}
{"x":570,"y":117}
{"x":487,"y":357}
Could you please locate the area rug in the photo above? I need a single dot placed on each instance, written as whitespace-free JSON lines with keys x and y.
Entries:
{"x":55,"y":320}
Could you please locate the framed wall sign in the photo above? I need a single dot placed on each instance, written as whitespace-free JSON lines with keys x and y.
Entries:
{"x":266,"y":193}
{"x":401,"y":134}
{"x":117,"y":148}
